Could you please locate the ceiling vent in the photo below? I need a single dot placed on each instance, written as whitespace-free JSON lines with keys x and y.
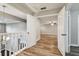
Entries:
{"x":43,"y":8}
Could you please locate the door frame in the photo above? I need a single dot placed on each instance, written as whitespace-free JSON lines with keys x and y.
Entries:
{"x":69,"y":31}
{"x":78,"y":30}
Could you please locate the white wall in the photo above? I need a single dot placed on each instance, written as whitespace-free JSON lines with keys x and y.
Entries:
{"x":46,"y":28}
{"x":12,"y":24}
{"x":16,"y":27}
{"x":74,"y":12}
{"x":74,"y":27}
{"x":33,"y":27}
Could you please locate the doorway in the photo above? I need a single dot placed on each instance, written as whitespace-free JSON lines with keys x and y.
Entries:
{"x":73,"y":29}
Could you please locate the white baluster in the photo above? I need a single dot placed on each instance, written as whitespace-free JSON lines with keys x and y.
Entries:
{"x":9,"y":44}
{"x":19,"y":41}
{"x":5,"y":44}
{"x":0,"y":44}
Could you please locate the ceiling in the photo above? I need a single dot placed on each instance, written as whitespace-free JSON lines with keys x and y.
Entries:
{"x":21,"y":9}
{"x":34,"y":8}
{"x":7,"y":18}
{"x":49,"y":6}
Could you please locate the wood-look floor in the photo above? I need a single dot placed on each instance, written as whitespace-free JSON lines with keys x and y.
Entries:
{"x":46,"y":46}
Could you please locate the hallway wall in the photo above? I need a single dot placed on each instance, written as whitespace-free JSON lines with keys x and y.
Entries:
{"x":11,"y":23}
{"x":46,"y":28}
{"x":74,"y":27}
{"x":33,"y":28}
{"x":16,"y":27}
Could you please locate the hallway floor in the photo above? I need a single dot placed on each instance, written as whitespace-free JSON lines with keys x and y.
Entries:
{"x":46,"y":46}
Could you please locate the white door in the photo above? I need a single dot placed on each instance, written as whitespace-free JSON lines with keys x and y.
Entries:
{"x":61,"y":31}
{"x":33,"y":27}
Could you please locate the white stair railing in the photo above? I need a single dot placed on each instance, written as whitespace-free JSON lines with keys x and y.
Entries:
{"x":10,"y":43}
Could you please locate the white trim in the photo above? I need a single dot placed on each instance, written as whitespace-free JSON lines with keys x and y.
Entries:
{"x":69,"y":28}
{"x":12,"y":10}
{"x":15,"y":53}
{"x":33,"y":9}
{"x":18,"y":51}
{"x":78,"y":30}
{"x":61,"y":51}
{"x":74,"y":45}
{"x":56,"y":14}
{"x":48,"y":34}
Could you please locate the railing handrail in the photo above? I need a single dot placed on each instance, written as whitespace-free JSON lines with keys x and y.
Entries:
{"x":15,"y":33}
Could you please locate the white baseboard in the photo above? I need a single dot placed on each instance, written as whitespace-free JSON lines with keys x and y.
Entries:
{"x":18,"y":51}
{"x":74,"y":45}
{"x":23,"y":49}
{"x":61,"y":51}
{"x":49,"y":35}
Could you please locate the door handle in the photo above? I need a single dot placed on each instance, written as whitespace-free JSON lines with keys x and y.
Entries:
{"x":63,"y":34}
